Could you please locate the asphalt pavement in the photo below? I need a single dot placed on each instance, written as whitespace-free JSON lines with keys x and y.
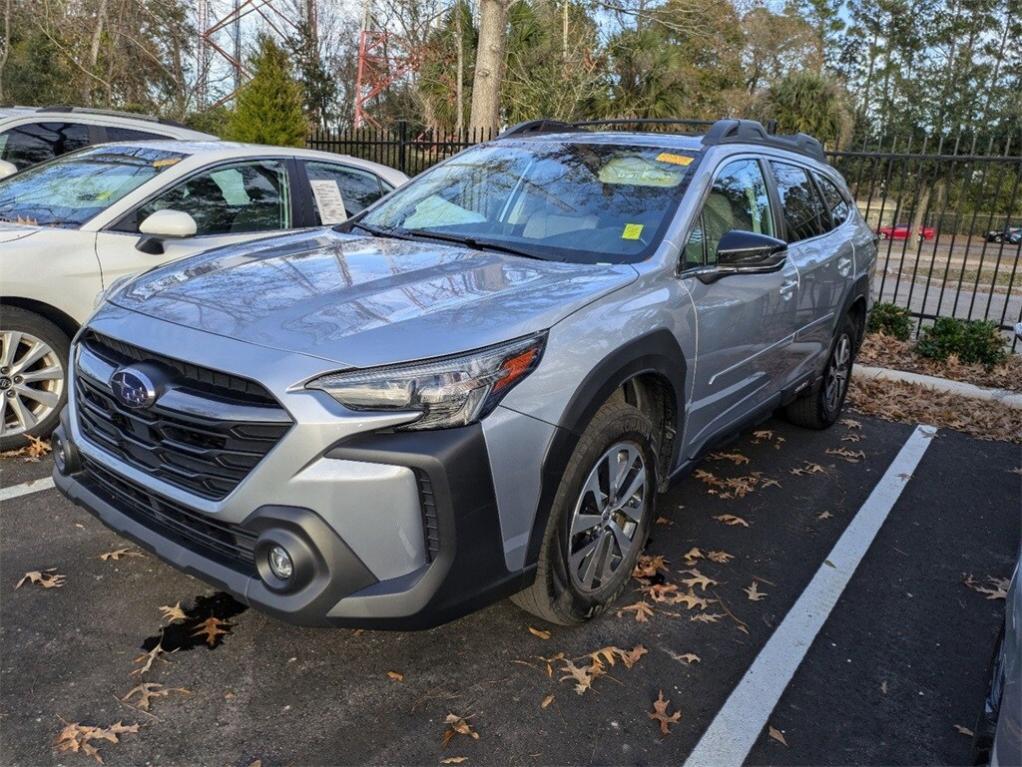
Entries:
{"x":900,"y":661}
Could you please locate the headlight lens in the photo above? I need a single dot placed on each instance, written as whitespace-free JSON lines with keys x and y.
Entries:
{"x":449,"y":392}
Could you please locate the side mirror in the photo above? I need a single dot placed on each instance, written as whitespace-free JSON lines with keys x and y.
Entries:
{"x":7,"y":169}
{"x":162,"y":225}
{"x":741,"y":252}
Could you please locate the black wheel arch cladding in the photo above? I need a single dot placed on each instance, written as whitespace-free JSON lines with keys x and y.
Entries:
{"x":658,"y":353}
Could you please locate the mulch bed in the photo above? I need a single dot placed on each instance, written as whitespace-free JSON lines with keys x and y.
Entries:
{"x":888,"y":352}
{"x":913,"y":403}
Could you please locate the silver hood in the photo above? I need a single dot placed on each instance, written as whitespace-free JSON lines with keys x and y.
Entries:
{"x":362,"y":301}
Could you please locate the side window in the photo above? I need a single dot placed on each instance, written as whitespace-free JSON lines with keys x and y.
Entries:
{"x":358,"y":190}
{"x":804,"y":212}
{"x":835,"y":201}
{"x":30,"y":144}
{"x":231,"y":199}
{"x":127,"y":134}
{"x":737,"y":200}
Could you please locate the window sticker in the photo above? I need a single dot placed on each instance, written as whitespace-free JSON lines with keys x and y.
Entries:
{"x":631,"y":232}
{"x":674,"y":159}
{"x":329,"y":201}
{"x":638,"y":171}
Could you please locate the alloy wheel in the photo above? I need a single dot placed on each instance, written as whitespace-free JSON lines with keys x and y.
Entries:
{"x":607,"y":516}
{"x":31,"y":382}
{"x":838,"y":372}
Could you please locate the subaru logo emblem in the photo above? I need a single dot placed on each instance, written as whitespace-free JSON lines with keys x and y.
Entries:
{"x":133,"y":388}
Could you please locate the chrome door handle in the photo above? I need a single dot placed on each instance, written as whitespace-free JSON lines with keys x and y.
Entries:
{"x":844,"y":266}
{"x":787,"y":290}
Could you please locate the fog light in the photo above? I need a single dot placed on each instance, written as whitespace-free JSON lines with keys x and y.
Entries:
{"x":280,"y":562}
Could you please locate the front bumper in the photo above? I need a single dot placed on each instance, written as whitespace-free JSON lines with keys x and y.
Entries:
{"x":464,"y":566}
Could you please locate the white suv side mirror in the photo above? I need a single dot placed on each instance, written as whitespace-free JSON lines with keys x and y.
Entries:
{"x":7,"y":169}
{"x":169,"y":223}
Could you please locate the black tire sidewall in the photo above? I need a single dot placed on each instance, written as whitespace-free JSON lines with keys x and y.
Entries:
{"x":828,"y":417}
{"x":626,"y":424}
{"x":15,"y":318}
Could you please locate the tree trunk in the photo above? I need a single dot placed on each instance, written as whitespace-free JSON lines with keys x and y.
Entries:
{"x":459,"y":119}
{"x":6,"y":42}
{"x":489,"y":66}
{"x":97,"y":38}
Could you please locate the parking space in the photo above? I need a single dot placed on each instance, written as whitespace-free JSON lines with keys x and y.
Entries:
{"x":899,"y":662}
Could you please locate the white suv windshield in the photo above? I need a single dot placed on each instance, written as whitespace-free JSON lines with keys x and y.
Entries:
{"x":69,"y":191}
{"x":560,"y":201}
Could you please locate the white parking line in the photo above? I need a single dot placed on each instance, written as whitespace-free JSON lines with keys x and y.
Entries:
{"x":737,"y":725}
{"x":25,"y":488}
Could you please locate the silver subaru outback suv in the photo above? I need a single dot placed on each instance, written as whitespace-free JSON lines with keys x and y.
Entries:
{"x":477,"y":387}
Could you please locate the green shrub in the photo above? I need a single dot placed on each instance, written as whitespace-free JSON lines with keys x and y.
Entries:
{"x":976,"y":341}
{"x":890,"y":320}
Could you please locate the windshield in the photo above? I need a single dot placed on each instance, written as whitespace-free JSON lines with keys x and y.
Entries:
{"x":70,"y":190}
{"x":579,"y":202}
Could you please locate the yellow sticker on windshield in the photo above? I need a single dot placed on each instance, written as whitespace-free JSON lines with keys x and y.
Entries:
{"x":166,"y":162}
{"x":674,"y":159}
{"x":631,"y":232}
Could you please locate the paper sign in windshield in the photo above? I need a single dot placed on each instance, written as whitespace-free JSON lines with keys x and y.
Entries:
{"x":329,"y":202}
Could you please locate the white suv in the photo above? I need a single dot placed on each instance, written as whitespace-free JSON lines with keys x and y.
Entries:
{"x":70,"y":227}
{"x":31,"y":135}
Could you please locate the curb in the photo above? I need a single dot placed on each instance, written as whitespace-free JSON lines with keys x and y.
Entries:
{"x":1002,"y":396}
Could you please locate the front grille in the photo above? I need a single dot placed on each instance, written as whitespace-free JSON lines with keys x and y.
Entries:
{"x":430,"y":520}
{"x":220,"y":541}
{"x":202,"y":455}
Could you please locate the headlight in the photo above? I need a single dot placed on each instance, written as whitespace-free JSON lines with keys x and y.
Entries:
{"x":453,"y":391}
{"x":110,"y":291}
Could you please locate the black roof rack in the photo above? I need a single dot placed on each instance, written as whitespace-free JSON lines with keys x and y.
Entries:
{"x":110,"y":113}
{"x":753,"y":132}
{"x":728,"y":131}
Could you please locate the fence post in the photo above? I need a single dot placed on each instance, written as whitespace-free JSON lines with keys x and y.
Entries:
{"x":402,"y":154}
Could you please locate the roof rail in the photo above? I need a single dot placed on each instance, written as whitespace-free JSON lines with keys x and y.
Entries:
{"x":753,"y":132}
{"x":110,"y":113}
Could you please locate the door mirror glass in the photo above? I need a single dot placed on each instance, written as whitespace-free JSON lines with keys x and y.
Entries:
{"x":168,"y":223}
{"x":7,"y":169}
{"x":749,"y":250}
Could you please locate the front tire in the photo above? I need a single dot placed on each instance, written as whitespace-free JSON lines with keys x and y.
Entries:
{"x":33,"y":369}
{"x":599,"y":521}
{"x":821,"y":406}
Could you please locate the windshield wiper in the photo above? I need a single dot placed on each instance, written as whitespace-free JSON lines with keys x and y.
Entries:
{"x":375,"y":231}
{"x":472,"y":242}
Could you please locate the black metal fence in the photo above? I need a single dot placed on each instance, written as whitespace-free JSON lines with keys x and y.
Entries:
{"x":944,"y":212}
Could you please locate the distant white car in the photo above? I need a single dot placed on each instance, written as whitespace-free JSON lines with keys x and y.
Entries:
{"x":31,"y":135}
{"x":70,"y":227}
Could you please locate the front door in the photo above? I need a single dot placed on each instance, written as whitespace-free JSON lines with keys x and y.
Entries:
{"x":744,"y":322}
{"x":230,"y":203}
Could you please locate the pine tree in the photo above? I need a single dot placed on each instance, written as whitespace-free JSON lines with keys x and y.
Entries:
{"x":269,"y":106}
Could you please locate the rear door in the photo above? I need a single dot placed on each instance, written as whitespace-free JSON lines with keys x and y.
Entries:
{"x":821,"y":250}
{"x":335,"y":191}
{"x":230,"y":202}
{"x":745,"y":322}
{"x":32,"y":143}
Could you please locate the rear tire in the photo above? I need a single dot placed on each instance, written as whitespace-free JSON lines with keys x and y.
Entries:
{"x":599,"y":521}
{"x":821,"y":406}
{"x":33,"y":372}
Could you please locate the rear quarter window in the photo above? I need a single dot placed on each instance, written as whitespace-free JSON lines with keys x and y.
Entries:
{"x":805,"y":215}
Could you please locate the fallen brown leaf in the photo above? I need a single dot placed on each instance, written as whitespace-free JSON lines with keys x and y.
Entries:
{"x":457,"y":725}
{"x":48,"y":579}
{"x":663,"y":521}
{"x":707,"y":617}
{"x":850,"y":423}
{"x":660,"y":715}
{"x":731,"y":520}
{"x":753,"y":592}
{"x":997,"y":588}
{"x":964,"y":730}
{"x":688,"y":658}
{"x":540,"y":633}
{"x":212,"y":629}
{"x":395,"y":676}
{"x":453,"y":760}
{"x":851,"y":456}
{"x":720,"y":557}
{"x":77,"y":737}
{"x":172,"y":614}
{"x":697,"y":579}
{"x":824,"y":515}
{"x":777,"y":735}
{"x":642,"y":609}
{"x":149,"y":690}
{"x":148,"y":658}
{"x":736,"y":458}
{"x":693,"y":555}
{"x":649,"y":565}
{"x":547,"y":701}
{"x":117,"y":554}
